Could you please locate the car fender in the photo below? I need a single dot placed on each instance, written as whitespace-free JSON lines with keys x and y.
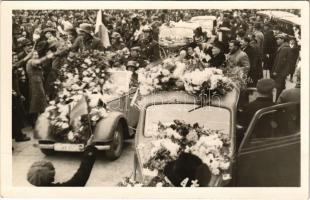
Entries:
{"x":104,"y":129}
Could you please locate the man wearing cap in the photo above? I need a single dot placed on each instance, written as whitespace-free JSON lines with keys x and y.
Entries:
{"x":263,"y":99}
{"x":282,"y":62}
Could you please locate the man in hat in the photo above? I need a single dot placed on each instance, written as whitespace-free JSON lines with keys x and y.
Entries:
{"x":86,"y":41}
{"x":217,"y":55}
{"x":282,"y":62}
{"x":264,"y":94}
{"x":42,"y":173}
{"x":116,"y":41}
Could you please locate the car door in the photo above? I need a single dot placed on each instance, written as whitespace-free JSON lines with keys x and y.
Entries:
{"x":269,"y":154}
{"x":132,"y":110}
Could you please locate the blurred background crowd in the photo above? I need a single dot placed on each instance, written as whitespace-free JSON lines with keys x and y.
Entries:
{"x":44,"y":39}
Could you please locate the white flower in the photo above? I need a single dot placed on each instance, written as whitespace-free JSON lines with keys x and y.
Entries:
{"x":52,"y":102}
{"x":75,"y":87}
{"x":165,"y":72}
{"x":95,"y":118}
{"x":65,"y":125}
{"x":165,"y":79}
{"x":87,"y":61}
{"x":192,"y":136}
{"x":70,"y":136}
{"x":172,"y":133}
{"x":85,"y":73}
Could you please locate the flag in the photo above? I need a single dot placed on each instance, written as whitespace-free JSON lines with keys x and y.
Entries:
{"x":101,"y":30}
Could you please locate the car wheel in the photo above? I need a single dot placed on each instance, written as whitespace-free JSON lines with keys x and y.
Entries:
{"x":116,"y":144}
{"x":48,"y":152}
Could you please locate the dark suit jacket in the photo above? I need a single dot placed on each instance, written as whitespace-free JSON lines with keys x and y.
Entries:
{"x":80,"y":178}
{"x":217,"y":61}
{"x":282,"y":61}
{"x":246,"y":115}
{"x":256,"y":70}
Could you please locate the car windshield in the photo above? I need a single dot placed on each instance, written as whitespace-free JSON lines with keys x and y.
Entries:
{"x":210,"y":117}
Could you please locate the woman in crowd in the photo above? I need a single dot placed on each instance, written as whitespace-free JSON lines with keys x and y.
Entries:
{"x":38,"y":101}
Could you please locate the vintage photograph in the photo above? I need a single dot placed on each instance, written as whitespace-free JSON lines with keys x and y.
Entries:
{"x":156,"y":97}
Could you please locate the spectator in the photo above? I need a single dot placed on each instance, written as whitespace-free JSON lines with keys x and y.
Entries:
{"x":295,"y":56}
{"x":38,"y":101}
{"x":282,"y":63}
{"x":237,"y":57}
{"x":269,"y":50}
{"x":259,"y":36}
{"x":264,"y":99}
{"x":217,"y":55}
{"x":255,"y":71}
{"x":42,"y":173}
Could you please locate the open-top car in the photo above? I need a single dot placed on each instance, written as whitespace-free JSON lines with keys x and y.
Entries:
{"x":109,"y":132}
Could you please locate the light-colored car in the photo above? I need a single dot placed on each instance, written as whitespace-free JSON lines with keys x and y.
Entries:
{"x":267,"y":154}
{"x":109,"y":133}
{"x":217,"y":112}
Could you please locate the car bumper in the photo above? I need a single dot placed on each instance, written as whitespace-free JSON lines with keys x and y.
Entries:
{"x":76,"y":147}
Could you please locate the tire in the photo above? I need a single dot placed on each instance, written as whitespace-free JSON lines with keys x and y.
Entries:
{"x":116,"y":144}
{"x":48,"y":152}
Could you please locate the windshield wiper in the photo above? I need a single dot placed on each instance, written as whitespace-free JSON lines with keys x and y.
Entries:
{"x":191,"y":110}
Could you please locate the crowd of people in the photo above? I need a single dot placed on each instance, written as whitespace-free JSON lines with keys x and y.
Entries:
{"x":44,"y":39}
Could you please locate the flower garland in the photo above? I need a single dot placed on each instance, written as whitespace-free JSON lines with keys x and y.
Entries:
{"x":211,"y":146}
{"x":173,"y":74}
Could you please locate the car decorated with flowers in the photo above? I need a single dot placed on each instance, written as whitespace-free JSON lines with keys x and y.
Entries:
{"x":92,"y":100}
{"x":202,"y":126}
{"x":196,"y":113}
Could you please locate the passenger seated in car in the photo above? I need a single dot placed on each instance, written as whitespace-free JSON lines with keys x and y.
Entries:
{"x":42,"y":173}
{"x":263,"y":99}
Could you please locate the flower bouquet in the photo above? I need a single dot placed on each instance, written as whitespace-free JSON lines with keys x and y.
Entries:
{"x":169,"y":141}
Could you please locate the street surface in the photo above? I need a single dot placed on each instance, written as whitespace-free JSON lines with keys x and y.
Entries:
{"x":104,"y":173}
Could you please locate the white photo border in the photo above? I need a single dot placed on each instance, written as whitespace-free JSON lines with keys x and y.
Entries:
{"x":8,"y":190}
